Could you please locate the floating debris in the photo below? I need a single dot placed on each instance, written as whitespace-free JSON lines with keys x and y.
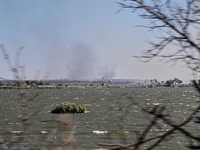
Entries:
{"x":42,"y":132}
{"x":156,"y":103}
{"x":100,"y":132}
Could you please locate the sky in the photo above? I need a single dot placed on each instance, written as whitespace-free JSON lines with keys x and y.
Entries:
{"x":76,"y":39}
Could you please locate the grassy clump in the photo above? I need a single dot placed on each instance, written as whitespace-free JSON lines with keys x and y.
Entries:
{"x":68,"y":108}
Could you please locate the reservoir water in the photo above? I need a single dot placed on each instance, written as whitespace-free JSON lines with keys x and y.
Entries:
{"x":111,"y":117}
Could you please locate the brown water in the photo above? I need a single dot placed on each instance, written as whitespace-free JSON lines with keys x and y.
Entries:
{"x":111,"y":115}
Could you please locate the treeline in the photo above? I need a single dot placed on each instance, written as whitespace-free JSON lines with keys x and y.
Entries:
{"x":30,"y":83}
{"x":173,"y":81}
{"x":168,"y":82}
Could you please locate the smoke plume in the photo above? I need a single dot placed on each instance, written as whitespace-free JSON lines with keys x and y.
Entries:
{"x":83,"y":64}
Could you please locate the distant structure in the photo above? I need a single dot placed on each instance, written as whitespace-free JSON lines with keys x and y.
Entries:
{"x":143,"y":83}
{"x":102,"y":82}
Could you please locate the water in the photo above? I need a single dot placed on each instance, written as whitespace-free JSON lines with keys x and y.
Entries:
{"x":111,"y":117}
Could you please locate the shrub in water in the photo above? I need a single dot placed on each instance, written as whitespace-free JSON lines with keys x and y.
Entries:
{"x":69,"y":108}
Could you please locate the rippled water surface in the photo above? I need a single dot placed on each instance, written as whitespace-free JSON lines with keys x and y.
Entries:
{"x":111,"y":117}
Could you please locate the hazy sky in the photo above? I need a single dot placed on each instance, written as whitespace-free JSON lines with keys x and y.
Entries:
{"x":79,"y":39}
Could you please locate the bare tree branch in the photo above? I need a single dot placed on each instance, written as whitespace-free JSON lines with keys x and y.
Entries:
{"x":178,"y":23}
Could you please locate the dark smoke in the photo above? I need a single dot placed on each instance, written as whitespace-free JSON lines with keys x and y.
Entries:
{"x":108,"y":72}
{"x":83,"y":64}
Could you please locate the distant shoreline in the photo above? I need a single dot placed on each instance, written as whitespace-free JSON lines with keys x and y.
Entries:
{"x":91,"y":86}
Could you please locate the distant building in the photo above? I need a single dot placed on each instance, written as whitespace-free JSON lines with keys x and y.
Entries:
{"x":102,"y":82}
